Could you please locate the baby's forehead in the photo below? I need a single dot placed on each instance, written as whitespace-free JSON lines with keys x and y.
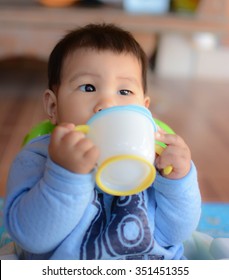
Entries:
{"x":89,"y":54}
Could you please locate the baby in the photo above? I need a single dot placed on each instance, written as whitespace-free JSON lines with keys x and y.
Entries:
{"x":53,"y":209}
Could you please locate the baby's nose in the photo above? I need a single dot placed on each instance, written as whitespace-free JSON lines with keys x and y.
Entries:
{"x":104,"y":104}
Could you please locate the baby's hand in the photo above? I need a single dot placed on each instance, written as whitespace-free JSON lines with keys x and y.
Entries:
{"x":72,"y":150}
{"x":176,"y":154}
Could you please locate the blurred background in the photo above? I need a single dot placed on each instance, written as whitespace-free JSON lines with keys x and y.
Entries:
{"x":187,"y":44}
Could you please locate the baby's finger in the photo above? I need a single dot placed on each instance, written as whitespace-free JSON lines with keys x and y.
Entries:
{"x":163,"y":161}
{"x":92,"y":155}
{"x":66,"y":134}
{"x":169,"y":139}
{"x":58,"y":133}
{"x":70,"y":126}
{"x":160,"y":130}
{"x":72,"y":138}
{"x":84,"y":145}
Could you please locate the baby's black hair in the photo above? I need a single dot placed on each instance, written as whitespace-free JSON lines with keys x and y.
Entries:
{"x":98,"y":37}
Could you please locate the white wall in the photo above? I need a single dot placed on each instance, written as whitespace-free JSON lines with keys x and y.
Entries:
{"x":191,"y":56}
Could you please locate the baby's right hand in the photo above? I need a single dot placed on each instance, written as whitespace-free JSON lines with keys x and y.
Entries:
{"x":72,"y":150}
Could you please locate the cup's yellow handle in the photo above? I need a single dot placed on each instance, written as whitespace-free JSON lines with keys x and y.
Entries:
{"x":168,"y":169}
{"x":82,"y":128}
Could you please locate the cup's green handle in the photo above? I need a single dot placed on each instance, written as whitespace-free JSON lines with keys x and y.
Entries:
{"x":83,"y":128}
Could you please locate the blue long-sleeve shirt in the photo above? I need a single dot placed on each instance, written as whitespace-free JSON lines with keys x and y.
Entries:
{"x":52,"y":213}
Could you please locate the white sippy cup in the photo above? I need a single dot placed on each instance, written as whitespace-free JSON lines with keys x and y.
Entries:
{"x":125,"y":137}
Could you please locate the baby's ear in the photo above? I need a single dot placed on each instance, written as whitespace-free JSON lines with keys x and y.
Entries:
{"x":50,"y":105}
{"x":147,"y":101}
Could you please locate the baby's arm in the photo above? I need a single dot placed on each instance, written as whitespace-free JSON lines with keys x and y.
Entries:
{"x":45,"y":202}
{"x":177,"y":194}
{"x":178,"y":208}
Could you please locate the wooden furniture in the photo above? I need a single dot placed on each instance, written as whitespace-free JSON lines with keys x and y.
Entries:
{"x":33,"y":30}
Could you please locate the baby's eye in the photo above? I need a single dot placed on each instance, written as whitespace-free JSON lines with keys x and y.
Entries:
{"x":87,"y":88}
{"x":125,"y":92}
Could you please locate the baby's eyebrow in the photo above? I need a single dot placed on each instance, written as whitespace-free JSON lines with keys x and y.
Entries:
{"x":82,"y":74}
{"x":130,"y":79}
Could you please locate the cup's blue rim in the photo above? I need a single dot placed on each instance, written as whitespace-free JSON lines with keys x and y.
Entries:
{"x":137,"y":108}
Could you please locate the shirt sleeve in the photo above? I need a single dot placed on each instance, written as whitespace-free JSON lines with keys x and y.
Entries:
{"x":178,"y":208}
{"x":44,"y":198}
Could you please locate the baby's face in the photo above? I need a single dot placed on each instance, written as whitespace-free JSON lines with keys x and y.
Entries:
{"x":92,"y":81}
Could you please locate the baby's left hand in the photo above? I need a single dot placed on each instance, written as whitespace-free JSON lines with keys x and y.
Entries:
{"x":176,"y":153}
